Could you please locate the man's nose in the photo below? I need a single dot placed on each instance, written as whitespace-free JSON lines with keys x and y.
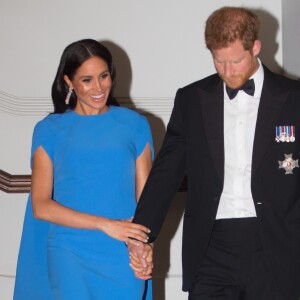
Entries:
{"x":228,"y":70}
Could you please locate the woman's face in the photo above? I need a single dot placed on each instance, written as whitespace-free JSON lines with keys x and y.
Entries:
{"x":92,"y":84}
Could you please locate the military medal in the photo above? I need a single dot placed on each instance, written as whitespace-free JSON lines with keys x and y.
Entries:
{"x":285,"y":134}
{"x":288,"y":164}
{"x":277,"y":134}
{"x":288,"y":133}
{"x":292,"y":139}
{"x":282,"y":134}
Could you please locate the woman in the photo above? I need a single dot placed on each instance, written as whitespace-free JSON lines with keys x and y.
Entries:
{"x":90,"y":160}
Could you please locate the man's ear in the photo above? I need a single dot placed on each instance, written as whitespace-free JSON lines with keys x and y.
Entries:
{"x":256,"y":47}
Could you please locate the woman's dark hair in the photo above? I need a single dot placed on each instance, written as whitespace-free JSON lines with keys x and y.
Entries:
{"x":72,"y":58}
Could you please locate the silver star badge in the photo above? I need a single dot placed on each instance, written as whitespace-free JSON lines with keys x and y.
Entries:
{"x":288,"y":164}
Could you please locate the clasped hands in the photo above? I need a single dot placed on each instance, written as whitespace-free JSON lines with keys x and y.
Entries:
{"x":141,"y":258}
{"x":136,"y":238}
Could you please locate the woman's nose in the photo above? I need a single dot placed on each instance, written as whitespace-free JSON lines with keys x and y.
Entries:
{"x":98,"y":86}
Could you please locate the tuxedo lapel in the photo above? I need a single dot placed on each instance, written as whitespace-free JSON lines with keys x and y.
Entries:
{"x":270,"y":106}
{"x":212,"y":110}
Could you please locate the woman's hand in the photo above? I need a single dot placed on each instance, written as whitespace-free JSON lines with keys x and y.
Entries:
{"x":141,"y":271}
{"x":123,"y":230}
{"x":141,"y":259}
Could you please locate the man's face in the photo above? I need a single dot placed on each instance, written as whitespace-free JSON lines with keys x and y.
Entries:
{"x":234,"y":64}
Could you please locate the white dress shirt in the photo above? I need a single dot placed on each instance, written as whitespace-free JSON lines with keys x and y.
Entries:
{"x":240,"y":116}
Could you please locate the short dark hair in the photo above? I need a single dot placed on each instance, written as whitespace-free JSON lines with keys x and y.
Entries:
{"x":72,"y":58}
{"x":229,"y":24}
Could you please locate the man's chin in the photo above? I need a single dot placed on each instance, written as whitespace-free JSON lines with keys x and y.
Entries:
{"x":234,"y":85}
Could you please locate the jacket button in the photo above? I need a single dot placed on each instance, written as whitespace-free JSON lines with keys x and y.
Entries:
{"x":216,"y":199}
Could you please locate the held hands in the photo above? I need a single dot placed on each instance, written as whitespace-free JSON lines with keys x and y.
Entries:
{"x":124,"y":230}
{"x":136,"y":238}
{"x":141,"y":259}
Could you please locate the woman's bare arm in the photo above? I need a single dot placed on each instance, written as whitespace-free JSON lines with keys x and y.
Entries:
{"x":45,"y":208}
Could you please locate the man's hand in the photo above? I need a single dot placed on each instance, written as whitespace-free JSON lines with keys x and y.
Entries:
{"x":141,"y":259}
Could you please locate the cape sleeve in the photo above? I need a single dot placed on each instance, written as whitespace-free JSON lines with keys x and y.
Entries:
{"x":43,"y":136}
{"x":143,"y":137}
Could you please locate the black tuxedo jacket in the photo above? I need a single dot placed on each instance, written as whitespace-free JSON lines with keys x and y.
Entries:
{"x":194,"y":146}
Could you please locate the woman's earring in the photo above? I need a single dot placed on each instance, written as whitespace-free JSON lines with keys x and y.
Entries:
{"x":69,"y":96}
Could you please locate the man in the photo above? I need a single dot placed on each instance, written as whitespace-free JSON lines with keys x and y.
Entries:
{"x":241,"y":232}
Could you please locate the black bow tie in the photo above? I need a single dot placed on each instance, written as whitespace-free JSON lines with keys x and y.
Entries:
{"x":248,"y":88}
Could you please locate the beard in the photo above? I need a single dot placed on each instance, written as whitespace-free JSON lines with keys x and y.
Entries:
{"x":237,"y":80}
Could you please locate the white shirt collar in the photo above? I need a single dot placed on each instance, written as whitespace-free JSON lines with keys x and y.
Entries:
{"x":258,"y":78}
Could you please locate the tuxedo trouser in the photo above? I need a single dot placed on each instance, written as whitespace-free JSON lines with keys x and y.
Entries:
{"x":234,"y":267}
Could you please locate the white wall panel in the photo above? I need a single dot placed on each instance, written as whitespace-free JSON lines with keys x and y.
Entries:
{"x":290,"y":37}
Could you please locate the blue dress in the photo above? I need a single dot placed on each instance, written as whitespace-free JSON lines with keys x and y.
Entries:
{"x":94,"y":172}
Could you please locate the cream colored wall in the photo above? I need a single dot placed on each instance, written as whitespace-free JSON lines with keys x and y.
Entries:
{"x":157,"y":45}
{"x":290,"y":37}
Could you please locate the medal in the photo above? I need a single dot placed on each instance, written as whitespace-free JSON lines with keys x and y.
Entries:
{"x":285,"y":134}
{"x":277,"y":134}
{"x":288,"y":134}
{"x":282,"y":134}
{"x":288,"y":164}
{"x":292,"y":139}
